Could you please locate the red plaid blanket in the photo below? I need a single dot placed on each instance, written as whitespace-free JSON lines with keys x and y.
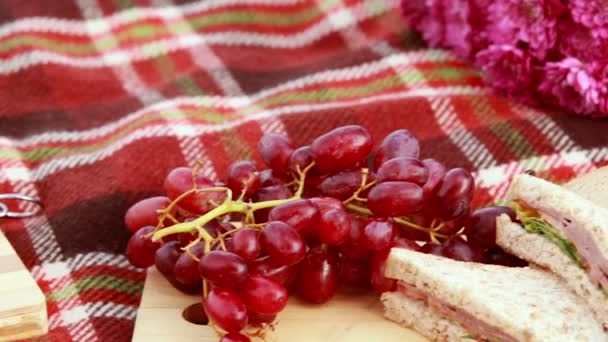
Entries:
{"x":99,"y":99}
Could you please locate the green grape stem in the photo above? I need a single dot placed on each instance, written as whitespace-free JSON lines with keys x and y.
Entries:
{"x":229,"y":206}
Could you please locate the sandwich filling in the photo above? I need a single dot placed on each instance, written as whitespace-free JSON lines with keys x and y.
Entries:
{"x":578,"y":244}
{"x":477,"y":328}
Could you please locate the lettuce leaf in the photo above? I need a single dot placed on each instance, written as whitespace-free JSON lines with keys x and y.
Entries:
{"x":541,"y":227}
{"x":532,"y":223}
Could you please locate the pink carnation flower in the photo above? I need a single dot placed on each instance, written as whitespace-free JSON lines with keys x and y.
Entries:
{"x":572,"y":84}
{"x":424,"y":16}
{"x":592,"y":14}
{"x":576,"y":40}
{"x":554,"y":48}
{"x":455,"y":24}
{"x":530,"y":21}
{"x":508,"y":69}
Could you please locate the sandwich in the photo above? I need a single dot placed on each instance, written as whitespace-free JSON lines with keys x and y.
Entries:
{"x":448,"y":300}
{"x":592,"y":186}
{"x":563,"y":232}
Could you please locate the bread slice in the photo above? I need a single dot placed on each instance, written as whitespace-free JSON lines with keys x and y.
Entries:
{"x":592,"y":186}
{"x":536,"y":249}
{"x":525,"y":303}
{"x":543,"y":195}
{"x":417,"y":315}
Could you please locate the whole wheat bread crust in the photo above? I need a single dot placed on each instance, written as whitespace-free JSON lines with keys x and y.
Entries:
{"x":537,"y":249}
{"x":415,"y":314}
{"x":539,"y":193}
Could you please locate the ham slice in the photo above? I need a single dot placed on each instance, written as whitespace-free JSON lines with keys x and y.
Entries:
{"x":479,"y":329}
{"x":594,"y":261}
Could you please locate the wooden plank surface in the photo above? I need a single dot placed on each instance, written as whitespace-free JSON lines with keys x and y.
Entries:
{"x":349,"y":317}
{"x":22,"y":304}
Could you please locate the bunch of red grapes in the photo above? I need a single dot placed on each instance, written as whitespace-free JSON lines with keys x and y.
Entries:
{"x":319,"y":215}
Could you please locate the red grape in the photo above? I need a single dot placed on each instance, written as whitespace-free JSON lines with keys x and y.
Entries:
{"x":263,"y":295}
{"x":452,"y":227}
{"x":223,"y":269}
{"x":395,"y":199}
{"x":269,"y":193}
{"x":226,"y":310}
{"x":341,"y":148}
{"x":421,"y":219}
{"x":186,"y":267}
{"x":143,"y":213}
{"x":225,"y":227}
{"x":496,"y":256}
{"x":341,"y":185}
{"x":166,"y":257}
{"x":235,"y":337}
{"x":245,"y":243}
{"x":184,"y":238}
{"x":141,"y":250}
{"x":215,"y":227}
{"x":318,"y":277}
{"x":400,"y":242}
{"x":379,"y":282}
{"x":403,"y":169}
{"x":259,"y":319}
{"x":452,"y":196}
{"x":326,"y":203}
{"x":243,"y":174}
{"x":283,"y":243}
{"x":179,"y":180}
{"x":269,"y":178}
{"x":303,"y":157}
{"x":266,"y":267}
{"x":400,"y":143}
{"x":379,"y":233}
{"x":431,"y":248}
{"x":355,"y":273}
{"x":334,"y":227}
{"x":480,"y":226}
{"x":185,"y":288}
{"x":300,"y":214}
{"x":458,"y":249}
{"x":436,"y":172}
{"x":355,"y":247}
{"x":275,"y":150}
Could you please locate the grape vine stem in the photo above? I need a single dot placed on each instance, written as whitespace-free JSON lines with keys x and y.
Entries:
{"x":229,"y":206}
{"x":401,"y":220}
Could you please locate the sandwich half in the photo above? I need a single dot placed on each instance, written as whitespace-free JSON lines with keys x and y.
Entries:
{"x":562,"y":232}
{"x":448,"y":300}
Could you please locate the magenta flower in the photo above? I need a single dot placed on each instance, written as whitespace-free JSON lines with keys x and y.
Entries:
{"x":592,"y":14}
{"x":508,"y":69}
{"x":541,"y":51}
{"x":449,"y":23}
{"x":425,"y":17}
{"x":576,"y":40}
{"x":570,"y":84}
{"x":528,"y":21}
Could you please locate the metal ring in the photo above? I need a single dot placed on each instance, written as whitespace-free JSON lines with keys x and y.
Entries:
{"x":12,"y":214}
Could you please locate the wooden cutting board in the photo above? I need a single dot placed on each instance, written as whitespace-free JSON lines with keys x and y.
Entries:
{"x":22,"y":304}
{"x":351,"y":316}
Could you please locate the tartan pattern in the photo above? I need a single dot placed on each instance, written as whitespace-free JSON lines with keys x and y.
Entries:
{"x":99,"y":99}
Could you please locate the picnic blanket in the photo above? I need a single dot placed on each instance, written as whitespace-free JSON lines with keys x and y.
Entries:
{"x":99,"y":99}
